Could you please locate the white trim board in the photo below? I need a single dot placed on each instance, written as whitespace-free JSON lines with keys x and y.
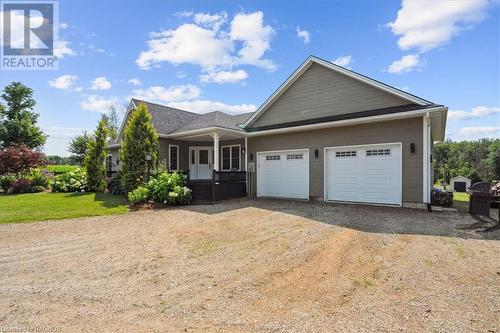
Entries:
{"x":230,"y":157}
{"x":169,"y":159}
{"x":311,"y":60}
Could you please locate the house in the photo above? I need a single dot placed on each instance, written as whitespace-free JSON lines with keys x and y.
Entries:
{"x":326,"y":133}
{"x":459,"y":184}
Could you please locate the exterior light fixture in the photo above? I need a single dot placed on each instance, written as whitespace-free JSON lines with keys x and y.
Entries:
{"x":412,"y":148}
{"x":316,"y":153}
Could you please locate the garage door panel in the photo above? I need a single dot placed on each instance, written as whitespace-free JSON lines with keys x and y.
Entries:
{"x":370,"y":174}
{"x":283,"y":174}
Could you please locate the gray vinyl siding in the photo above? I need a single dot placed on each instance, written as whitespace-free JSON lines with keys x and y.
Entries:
{"x":322,"y":92}
{"x":406,"y":131}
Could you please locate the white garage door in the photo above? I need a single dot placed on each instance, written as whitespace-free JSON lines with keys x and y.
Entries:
{"x":283,"y":174}
{"x":370,"y":174}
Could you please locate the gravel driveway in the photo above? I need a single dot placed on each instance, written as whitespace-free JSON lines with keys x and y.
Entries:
{"x":252,"y":266}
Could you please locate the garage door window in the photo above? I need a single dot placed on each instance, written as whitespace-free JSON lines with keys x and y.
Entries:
{"x":294,"y":156}
{"x":340,"y":154}
{"x":273,"y":157}
{"x":378,"y":152}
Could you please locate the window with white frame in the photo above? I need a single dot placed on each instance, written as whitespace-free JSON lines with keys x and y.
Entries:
{"x":231,"y":157}
{"x":273,"y":157}
{"x":173,"y":155}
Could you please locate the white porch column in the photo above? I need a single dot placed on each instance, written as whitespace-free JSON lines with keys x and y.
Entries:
{"x":246,"y":153}
{"x":215,"y":135}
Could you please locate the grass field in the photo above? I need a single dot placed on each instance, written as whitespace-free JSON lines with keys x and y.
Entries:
{"x":51,"y":206}
{"x":462,"y":197}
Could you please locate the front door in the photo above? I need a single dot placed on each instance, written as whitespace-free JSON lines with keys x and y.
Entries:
{"x":200,"y":162}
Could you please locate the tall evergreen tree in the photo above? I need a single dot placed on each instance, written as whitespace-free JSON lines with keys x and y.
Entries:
{"x":18,"y":122}
{"x":139,"y":140}
{"x":95,"y":157}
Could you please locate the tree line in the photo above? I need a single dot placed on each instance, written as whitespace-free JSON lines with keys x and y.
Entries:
{"x":477,"y":160}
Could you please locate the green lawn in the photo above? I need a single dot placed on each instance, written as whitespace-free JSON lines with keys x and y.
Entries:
{"x":51,"y":206}
{"x":461,"y":196}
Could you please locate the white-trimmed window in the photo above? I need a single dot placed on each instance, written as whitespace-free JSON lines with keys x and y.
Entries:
{"x":273,"y":157}
{"x":231,"y":158}
{"x":173,"y":157}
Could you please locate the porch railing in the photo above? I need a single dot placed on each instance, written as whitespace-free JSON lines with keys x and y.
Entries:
{"x":223,"y":185}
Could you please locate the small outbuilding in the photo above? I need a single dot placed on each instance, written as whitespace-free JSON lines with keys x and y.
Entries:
{"x":459,"y":184}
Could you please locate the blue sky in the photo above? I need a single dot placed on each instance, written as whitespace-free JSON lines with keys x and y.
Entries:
{"x":231,"y":56}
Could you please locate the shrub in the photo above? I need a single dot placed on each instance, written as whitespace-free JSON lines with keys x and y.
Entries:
{"x":6,"y":181}
{"x":73,"y":181}
{"x":60,"y":169}
{"x":139,"y":195}
{"x":40,"y":178}
{"x":20,"y":159}
{"x":169,"y":188}
{"x":21,"y":185}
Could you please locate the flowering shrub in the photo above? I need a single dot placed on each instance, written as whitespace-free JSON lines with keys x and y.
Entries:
{"x":139,"y":195}
{"x":73,"y":181}
{"x":21,"y":185}
{"x":164,"y":187}
{"x":169,"y":188}
{"x":6,"y":181}
{"x":40,"y":178}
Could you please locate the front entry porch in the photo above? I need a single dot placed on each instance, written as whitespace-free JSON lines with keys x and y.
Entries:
{"x":214,"y":160}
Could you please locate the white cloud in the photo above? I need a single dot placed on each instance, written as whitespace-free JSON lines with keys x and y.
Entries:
{"x":135,"y":81}
{"x":224,"y":76}
{"x":213,"y":22}
{"x":98,"y":103}
{"x":167,"y":94}
{"x":181,"y":75}
{"x":477,"y":112}
{"x":204,"y":106}
{"x":424,"y":25}
{"x":63,"y":82}
{"x":344,"y":61}
{"x":406,"y":64}
{"x":62,"y":49}
{"x":256,"y":38}
{"x":100,"y":83}
{"x":477,"y":132}
{"x":63,"y":25}
{"x":304,"y":35}
{"x":188,"y":43}
{"x":203,"y":43}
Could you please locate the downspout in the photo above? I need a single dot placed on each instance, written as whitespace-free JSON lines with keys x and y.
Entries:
{"x":426,"y":161}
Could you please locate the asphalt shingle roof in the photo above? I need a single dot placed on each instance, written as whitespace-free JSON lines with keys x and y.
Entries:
{"x":214,"y":119}
{"x":169,"y":120}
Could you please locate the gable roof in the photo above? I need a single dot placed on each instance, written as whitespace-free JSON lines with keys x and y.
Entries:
{"x":214,"y":119}
{"x":315,"y":60}
{"x":167,"y":119}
